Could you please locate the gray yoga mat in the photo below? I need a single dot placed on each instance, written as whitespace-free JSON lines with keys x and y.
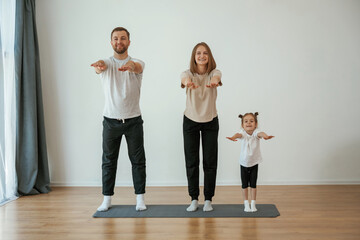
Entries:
{"x":179,"y":211}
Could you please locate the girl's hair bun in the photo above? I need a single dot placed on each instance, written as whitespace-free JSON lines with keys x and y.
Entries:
{"x":256,"y":114}
{"x":240,"y":116}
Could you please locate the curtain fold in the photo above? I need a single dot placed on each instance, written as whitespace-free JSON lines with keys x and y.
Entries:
{"x":31,"y":151}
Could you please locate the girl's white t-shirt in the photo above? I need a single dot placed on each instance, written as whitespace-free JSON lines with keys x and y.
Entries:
{"x":250,"y":154}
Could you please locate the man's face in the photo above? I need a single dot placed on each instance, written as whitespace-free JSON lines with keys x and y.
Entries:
{"x":120,"y":42}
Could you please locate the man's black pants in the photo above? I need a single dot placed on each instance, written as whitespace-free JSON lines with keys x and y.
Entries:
{"x":113,"y":130}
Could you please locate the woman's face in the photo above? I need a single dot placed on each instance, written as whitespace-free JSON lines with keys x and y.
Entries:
{"x":201,"y":56}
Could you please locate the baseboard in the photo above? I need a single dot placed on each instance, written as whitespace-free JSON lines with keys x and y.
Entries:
{"x":219,"y":183}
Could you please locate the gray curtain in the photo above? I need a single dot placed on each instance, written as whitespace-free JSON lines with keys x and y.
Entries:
{"x":31,"y":152}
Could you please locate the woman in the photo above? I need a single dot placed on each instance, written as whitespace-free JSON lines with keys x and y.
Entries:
{"x":200,"y":118}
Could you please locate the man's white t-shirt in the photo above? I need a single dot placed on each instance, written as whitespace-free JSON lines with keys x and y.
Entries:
{"x":121,"y":89}
{"x":250,"y":154}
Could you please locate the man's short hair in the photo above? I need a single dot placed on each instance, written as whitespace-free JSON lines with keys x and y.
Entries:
{"x":118,"y":29}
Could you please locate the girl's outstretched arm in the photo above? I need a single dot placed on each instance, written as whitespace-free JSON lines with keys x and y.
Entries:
{"x":264,"y":136}
{"x":233,"y":138}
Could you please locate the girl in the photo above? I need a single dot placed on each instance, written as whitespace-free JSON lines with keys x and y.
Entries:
{"x":200,"y":119}
{"x":250,"y":156}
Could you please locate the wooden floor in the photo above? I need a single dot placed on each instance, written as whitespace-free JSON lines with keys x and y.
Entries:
{"x":306,"y":212}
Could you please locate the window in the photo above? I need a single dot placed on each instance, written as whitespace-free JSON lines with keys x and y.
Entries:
{"x":8,"y":182}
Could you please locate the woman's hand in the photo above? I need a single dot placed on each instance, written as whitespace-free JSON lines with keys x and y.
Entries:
{"x":189,"y":84}
{"x":214,"y":82}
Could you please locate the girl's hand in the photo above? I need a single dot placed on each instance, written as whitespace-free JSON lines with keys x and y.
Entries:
{"x":264,"y":136}
{"x":268,"y":137}
{"x":232,"y":139}
{"x":236,"y":136}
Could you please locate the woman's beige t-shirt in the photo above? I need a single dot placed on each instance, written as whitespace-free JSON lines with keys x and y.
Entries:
{"x":201,"y":102}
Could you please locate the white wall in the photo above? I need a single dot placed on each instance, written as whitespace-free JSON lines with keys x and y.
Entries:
{"x":295,"y":62}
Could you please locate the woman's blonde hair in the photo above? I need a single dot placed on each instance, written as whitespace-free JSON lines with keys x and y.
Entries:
{"x":211,"y":65}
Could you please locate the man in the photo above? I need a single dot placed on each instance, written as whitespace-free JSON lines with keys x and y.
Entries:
{"x":121,"y":78}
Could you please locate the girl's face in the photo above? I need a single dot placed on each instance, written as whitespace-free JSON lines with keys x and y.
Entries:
{"x":201,"y":56}
{"x":249,"y":124}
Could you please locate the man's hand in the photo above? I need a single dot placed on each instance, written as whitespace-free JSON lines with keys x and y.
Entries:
{"x":129,"y":66}
{"x":99,"y":66}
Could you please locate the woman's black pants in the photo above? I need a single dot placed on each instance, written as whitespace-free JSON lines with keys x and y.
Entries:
{"x":209,"y":138}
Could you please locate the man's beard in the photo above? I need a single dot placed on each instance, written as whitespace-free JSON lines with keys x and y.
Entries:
{"x":121,"y":51}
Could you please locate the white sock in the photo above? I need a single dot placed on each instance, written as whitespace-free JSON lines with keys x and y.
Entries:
{"x":140,"y":202}
{"x":106,"y":204}
{"x":193,"y":206}
{"x":207,"y":206}
{"x":253,"y":206}
{"x":247,"y":206}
